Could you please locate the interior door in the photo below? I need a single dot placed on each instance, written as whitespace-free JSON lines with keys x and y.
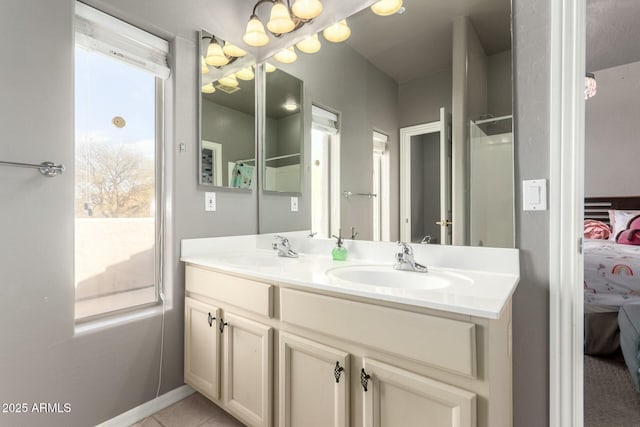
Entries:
{"x":445,"y":177}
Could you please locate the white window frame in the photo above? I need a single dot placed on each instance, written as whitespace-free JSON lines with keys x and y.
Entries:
{"x":105,"y":34}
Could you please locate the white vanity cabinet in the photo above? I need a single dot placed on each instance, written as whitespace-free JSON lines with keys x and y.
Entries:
{"x":228,"y":357}
{"x":395,"y":397}
{"x":313,"y":383}
{"x":202,"y":346}
{"x":298,"y":357}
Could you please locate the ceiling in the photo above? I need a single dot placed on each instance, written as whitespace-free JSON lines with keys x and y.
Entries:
{"x":613,"y":33}
{"x":419,"y":42}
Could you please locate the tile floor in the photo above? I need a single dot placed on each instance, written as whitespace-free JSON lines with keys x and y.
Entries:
{"x":193,"y":411}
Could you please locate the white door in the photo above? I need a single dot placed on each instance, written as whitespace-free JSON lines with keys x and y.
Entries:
{"x":314,"y":382}
{"x":439,"y":226}
{"x":445,"y":177}
{"x":247,"y":375}
{"x":201,"y":344}
{"x":395,"y":397}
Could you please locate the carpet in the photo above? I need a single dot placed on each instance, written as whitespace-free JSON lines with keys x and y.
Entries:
{"x":610,"y":399}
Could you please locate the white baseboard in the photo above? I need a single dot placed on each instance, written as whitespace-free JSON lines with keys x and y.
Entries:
{"x":141,"y":412}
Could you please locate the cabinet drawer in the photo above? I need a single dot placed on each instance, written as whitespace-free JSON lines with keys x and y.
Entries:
{"x":443,"y":343}
{"x":244,"y":293}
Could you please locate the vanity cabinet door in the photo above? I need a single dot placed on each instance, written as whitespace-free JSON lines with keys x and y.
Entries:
{"x":201,"y":344}
{"x":247,"y":373}
{"x":396,"y":397}
{"x":314,"y":382}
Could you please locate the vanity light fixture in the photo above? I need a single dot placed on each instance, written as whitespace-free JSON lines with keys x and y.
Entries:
{"x":290,"y":106}
{"x":309,"y":45}
{"x":215,"y":55}
{"x":589,"y":85}
{"x":386,"y":7}
{"x":218,"y":56}
{"x":307,"y":9}
{"x":286,"y":56}
{"x":337,"y":32}
{"x":233,"y":50}
{"x":229,"y":80}
{"x":203,"y":66}
{"x":283,"y":19}
{"x":245,"y":74}
{"x":208,"y":88}
{"x":280,"y":21}
{"x":255,"y":35}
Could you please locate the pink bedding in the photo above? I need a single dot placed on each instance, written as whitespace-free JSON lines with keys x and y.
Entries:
{"x":611,"y":273}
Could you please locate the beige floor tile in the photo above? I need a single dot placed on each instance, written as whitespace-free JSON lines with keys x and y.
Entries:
{"x":222,"y":421}
{"x":190,"y":412}
{"x":147,"y":422}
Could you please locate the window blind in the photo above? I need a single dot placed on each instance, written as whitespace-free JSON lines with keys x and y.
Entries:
{"x":324,"y":120}
{"x":379,"y":142}
{"x":100,"y":32}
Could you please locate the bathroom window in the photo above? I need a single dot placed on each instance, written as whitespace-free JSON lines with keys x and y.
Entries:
{"x":119,"y":80}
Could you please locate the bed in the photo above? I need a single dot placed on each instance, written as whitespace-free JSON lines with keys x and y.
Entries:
{"x":611,"y":277}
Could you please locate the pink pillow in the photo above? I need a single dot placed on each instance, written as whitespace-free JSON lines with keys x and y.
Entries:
{"x":630,"y":236}
{"x":596,"y":230}
{"x":619,"y":220}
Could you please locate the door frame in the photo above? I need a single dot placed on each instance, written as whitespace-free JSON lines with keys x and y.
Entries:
{"x":566,"y":211}
{"x":406,"y":133}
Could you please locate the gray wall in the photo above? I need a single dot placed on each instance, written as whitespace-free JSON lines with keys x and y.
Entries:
{"x":499,"y":84}
{"x":612,"y":128}
{"x":532,"y":37}
{"x":233,"y":129}
{"x":420,"y":100}
{"x":425,"y":186}
{"x":366,"y":99}
{"x":108,"y":371}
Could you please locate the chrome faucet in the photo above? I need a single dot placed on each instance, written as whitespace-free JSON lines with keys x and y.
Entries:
{"x":284,"y":248}
{"x":405,"y":260}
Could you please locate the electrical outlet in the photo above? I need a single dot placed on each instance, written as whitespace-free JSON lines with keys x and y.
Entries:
{"x":210,"y":202}
{"x":294,"y":204}
{"x":183,"y":147}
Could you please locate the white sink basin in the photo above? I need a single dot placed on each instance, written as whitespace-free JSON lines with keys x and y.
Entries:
{"x":387,"y":277}
{"x":257,"y":259}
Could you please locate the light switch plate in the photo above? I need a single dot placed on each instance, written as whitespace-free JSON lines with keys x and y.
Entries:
{"x":294,"y":204}
{"x":534,"y":195}
{"x":210,"y":202}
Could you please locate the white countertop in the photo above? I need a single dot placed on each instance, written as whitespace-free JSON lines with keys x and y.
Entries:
{"x":494,"y":272}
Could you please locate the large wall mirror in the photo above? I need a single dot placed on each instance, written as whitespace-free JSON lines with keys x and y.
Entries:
{"x":227,"y":155}
{"x":284,"y":128}
{"x":440,"y":72}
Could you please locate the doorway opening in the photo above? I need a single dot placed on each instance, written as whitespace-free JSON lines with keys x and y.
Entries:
{"x":425,"y":182}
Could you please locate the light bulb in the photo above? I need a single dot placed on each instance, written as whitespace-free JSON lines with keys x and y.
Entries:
{"x":203,"y":66}
{"x":208,"y":88}
{"x":269,"y":68}
{"x":337,"y":32}
{"x":215,"y":55}
{"x":309,"y":45}
{"x":245,"y":74}
{"x":286,"y":56}
{"x":255,"y":35}
{"x":307,"y":9}
{"x":280,"y":21}
{"x":290,"y":106}
{"x":386,"y":7}
{"x":233,"y":50}
{"x":229,"y":80}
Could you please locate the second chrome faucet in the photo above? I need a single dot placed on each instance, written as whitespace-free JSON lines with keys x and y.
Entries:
{"x":405,"y":260}
{"x":284,"y":248}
